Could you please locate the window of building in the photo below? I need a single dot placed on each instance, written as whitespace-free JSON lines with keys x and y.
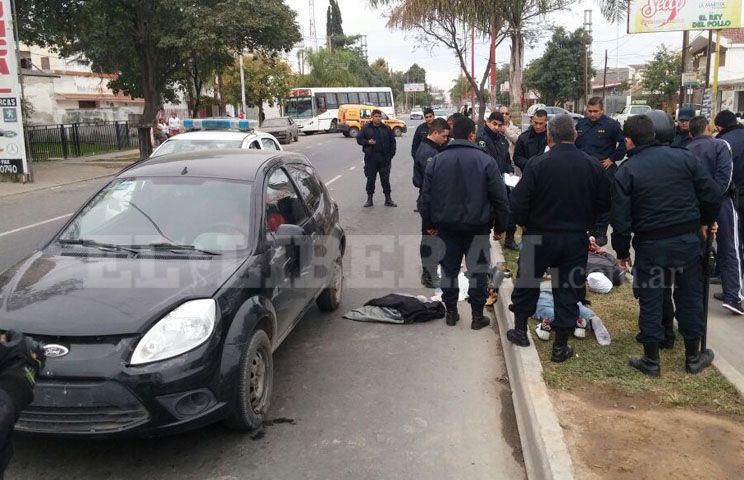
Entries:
{"x":87,"y":104}
{"x":45,"y":65}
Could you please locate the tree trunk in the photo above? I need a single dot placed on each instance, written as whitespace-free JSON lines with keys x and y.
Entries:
{"x":516,"y":60}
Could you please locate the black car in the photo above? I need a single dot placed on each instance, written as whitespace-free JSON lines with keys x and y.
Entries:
{"x":161,"y":301}
{"x":283,"y":128}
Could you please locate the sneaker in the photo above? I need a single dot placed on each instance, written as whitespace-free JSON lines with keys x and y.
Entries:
{"x":543,"y":330}
{"x":580,"y":330}
{"x":735,"y":308}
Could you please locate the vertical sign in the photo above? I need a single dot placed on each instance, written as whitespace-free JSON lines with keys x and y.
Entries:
{"x":12,"y":147}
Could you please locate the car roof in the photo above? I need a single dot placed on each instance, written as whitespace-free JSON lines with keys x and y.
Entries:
{"x":213,"y":135}
{"x":233,"y":164}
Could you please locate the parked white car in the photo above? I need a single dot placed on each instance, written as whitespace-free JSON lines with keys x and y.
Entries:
{"x":630,"y":111}
{"x":417,"y":113}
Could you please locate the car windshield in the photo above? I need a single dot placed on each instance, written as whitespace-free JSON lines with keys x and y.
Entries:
{"x":299,"y":107}
{"x":176,"y":145}
{"x":203,"y":213}
{"x":274,"y":122}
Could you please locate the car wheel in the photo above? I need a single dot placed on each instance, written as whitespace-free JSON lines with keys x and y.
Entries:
{"x":346,"y":134}
{"x":353,"y":132}
{"x":309,"y":133}
{"x":255,"y":382}
{"x":330,"y":298}
{"x":397,"y":131}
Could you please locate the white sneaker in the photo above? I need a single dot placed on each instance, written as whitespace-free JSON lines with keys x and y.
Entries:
{"x":580,"y":330}
{"x":543,"y":330}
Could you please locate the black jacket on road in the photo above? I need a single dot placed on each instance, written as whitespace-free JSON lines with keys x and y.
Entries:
{"x":661,"y":192}
{"x":561,"y":191}
{"x":497,"y":146}
{"x":422,"y":131}
{"x":529,"y":144}
{"x":464,"y":191}
{"x":601,"y":139}
{"x":383,"y":150}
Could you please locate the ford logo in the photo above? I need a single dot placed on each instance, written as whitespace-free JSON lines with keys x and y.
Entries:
{"x":52,"y":350}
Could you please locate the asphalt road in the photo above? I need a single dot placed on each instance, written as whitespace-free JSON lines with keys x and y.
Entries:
{"x":351,"y":400}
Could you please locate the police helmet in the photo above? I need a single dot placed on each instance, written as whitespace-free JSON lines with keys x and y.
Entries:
{"x":663,"y":126}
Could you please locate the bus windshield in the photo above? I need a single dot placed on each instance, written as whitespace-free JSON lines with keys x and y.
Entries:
{"x":299,"y":107}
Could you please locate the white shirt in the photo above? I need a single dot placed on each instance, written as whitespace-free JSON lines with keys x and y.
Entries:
{"x":174,"y":123}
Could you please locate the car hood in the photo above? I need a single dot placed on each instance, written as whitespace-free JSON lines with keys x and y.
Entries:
{"x":58,"y":295}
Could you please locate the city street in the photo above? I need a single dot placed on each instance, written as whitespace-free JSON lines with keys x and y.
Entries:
{"x":351,"y":400}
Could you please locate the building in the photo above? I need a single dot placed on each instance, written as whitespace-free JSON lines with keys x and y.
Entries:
{"x":65,"y":90}
{"x":730,"y":71}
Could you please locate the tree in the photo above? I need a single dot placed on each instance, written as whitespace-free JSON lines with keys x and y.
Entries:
{"x":558,"y":75}
{"x":268,"y":78}
{"x":335,"y":36}
{"x":613,"y":10}
{"x":337,"y":68}
{"x":153,"y":44}
{"x":661,"y":78}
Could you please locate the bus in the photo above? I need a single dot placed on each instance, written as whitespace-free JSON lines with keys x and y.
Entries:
{"x":316,"y":109}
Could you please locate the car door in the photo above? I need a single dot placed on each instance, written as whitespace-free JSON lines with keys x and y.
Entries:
{"x":283,"y":205}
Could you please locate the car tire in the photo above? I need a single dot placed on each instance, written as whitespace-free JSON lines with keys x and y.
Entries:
{"x":330,"y":298}
{"x":346,"y":134}
{"x":353,"y":132}
{"x":255,"y":382}
{"x":309,"y":133}
{"x":398,"y":131}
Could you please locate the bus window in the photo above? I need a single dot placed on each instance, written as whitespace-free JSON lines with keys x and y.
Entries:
{"x":386,"y":102}
{"x":353,"y":97}
{"x":373,"y":100}
{"x":363,"y":97}
{"x":331,"y":101}
{"x":320,"y":102}
{"x":343,"y":98}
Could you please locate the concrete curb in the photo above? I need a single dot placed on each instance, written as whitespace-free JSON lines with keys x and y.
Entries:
{"x":730,"y":372}
{"x":544,"y":448}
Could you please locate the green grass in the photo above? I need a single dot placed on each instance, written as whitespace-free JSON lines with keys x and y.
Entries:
{"x":607,"y":370}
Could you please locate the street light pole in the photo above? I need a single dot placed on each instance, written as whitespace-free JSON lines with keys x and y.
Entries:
{"x":242,"y":84}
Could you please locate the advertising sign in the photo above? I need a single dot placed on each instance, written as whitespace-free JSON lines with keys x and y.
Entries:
{"x":672,"y":15}
{"x":12,"y":147}
{"x":414,"y":87}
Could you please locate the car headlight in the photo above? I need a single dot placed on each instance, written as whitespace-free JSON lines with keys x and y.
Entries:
{"x":183,"y":329}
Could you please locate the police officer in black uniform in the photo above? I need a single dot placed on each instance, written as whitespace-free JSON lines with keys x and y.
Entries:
{"x":378,"y":144}
{"x":682,"y":132}
{"x":532,"y":142}
{"x":438,"y":136}
{"x":602,"y":138}
{"x":422,"y":131}
{"x":663,"y":197}
{"x":463,"y":197}
{"x":555,"y":210}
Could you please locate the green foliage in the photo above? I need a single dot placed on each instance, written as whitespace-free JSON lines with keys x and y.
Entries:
{"x":335,"y":36}
{"x":268,"y":78}
{"x":558,"y":75}
{"x":661,"y":80}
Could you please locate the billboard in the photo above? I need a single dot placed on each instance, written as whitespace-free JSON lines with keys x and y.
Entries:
{"x":646,"y":16}
{"x":12,"y":146}
{"x":414,"y":87}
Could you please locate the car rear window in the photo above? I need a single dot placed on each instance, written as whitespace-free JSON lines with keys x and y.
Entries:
{"x":176,"y":145}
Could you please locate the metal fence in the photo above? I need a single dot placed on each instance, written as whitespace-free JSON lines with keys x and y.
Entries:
{"x":46,"y":142}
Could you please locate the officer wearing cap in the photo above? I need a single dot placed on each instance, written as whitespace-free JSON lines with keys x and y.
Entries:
{"x":602,"y":138}
{"x":422,"y":131}
{"x":682,"y":133}
{"x":555,"y":210}
{"x":663,"y":198}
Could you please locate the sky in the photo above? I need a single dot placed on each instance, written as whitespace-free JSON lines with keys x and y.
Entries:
{"x":402,"y":49}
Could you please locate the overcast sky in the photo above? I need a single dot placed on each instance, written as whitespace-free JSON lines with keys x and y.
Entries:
{"x":401,"y":49}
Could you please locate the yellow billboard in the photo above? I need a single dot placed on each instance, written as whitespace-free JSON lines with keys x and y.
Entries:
{"x":671,"y":15}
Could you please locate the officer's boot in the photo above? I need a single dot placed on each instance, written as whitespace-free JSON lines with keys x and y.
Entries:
{"x":695,"y":360}
{"x":562,"y":351}
{"x":479,"y":321}
{"x":452,"y":316}
{"x":426,"y":279}
{"x":669,"y":337}
{"x":648,"y":364}
{"x":518,"y":334}
{"x":369,"y":201}
{"x":389,"y":201}
{"x":509,"y":242}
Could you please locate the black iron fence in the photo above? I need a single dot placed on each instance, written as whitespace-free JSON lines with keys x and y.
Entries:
{"x":46,"y":142}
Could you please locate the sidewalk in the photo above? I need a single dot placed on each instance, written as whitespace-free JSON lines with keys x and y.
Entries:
{"x":726,"y":338}
{"x":56,"y":173}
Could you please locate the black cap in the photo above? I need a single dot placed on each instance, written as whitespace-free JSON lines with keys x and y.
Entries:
{"x":685,"y":114}
{"x":663,"y":125}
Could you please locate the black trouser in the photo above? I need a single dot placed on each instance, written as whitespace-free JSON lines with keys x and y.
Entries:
{"x":476,"y":248}
{"x":657,"y":261}
{"x":511,"y":226}
{"x":603,"y":220}
{"x":429,"y":252}
{"x":667,"y":309}
{"x":566,"y":255}
{"x":374,"y":166}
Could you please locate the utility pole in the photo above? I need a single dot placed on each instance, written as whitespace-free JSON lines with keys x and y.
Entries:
{"x":587,"y":37}
{"x":708,"y":54}
{"x":604,"y":79}
{"x":242,"y":85}
{"x":313,"y":32}
{"x":683,"y":67}
{"x":714,"y":93}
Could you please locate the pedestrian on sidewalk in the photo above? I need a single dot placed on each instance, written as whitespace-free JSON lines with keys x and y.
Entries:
{"x":682,"y":134}
{"x":439,"y":132}
{"x":378,"y":144}
{"x":422,"y":131}
{"x":463,"y":197}
{"x":716,"y":157}
{"x":532,"y":142}
{"x":174,"y":125}
{"x":663,"y":198}
{"x":602,"y":138}
{"x":555,"y":211}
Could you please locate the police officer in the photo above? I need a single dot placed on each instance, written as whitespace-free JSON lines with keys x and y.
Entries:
{"x":21,"y":360}
{"x":533,"y":141}
{"x":602,"y":138}
{"x":378,"y":144}
{"x":716,"y":157}
{"x":682,"y":132}
{"x":663,"y":197}
{"x":463,"y":197}
{"x":438,"y":136}
{"x":555,"y":211}
{"x":730,"y":130}
{"x":422,"y":131}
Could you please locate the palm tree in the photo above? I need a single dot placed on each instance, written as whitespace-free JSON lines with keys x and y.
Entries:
{"x":613,"y":10}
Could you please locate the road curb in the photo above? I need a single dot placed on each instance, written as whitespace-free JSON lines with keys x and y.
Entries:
{"x":544,"y":447}
{"x":730,"y":372}
{"x":49,"y":187}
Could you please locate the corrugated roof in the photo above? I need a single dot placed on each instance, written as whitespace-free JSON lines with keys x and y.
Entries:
{"x":736,"y":35}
